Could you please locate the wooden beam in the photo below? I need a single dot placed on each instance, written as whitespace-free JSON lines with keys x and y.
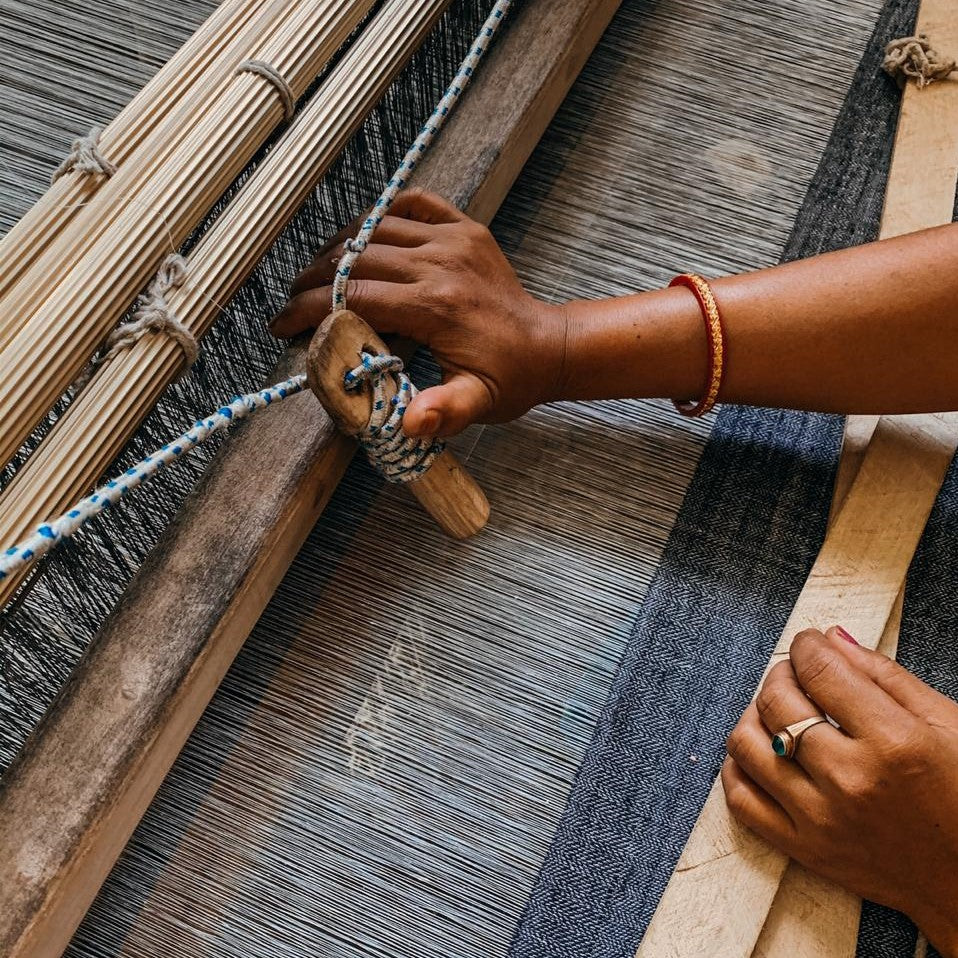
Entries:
{"x":74,"y":796}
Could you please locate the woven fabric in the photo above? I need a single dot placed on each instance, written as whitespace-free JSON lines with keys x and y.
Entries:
{"x":746,"y":536}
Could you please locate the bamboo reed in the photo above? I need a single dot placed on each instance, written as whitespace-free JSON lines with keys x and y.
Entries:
{"x":216,"y":46}
{"x":99,"y":423}
{"x":72,"y":318}
{"x":93,"y":219}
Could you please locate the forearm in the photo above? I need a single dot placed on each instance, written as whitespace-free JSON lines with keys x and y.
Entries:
{"x":872,"y":329}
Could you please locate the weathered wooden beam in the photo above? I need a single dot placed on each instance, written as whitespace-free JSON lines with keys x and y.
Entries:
{"x":74,"y":796}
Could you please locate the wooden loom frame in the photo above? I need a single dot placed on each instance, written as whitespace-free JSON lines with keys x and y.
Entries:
{"x":73,"y":797}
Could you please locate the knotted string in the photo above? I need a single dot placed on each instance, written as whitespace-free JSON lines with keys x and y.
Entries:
{"x":85,"y":157}
{"x":396,"y":456}
{"x":270,"y":73}
{"x":914,"y":58}
{"x":152,"y":315}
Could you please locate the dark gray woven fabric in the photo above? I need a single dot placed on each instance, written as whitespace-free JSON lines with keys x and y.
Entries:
{"x":741,"y":548}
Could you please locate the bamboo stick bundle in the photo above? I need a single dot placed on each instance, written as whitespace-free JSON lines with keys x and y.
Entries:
{"x":98,"y":424}
{"x":70,"y":316}
{"x":216,"y":46}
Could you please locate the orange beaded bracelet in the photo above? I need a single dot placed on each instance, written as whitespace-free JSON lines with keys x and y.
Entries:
{"x":716,"y":343}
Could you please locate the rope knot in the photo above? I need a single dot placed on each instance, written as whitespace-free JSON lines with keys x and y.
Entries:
{"x":85,"y":157}
{"x":357,"y":245}
{"x":151,"y":315}
{"x":914,"y":58}
{"x":396,"y":456}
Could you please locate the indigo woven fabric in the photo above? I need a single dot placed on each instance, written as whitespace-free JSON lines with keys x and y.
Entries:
{"x":745,"y":538}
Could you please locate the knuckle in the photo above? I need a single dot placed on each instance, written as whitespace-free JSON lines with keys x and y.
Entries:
{"x":817,"y":666}
{"x":771,"y":697}
{"x":741,"y":746}
{"x":737,"y":798}
{"x":857,"y":785}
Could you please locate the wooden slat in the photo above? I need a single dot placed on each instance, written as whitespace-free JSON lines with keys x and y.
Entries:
{"x":727,"y":876}
{"x":811,"y":917}
{"x":74,"y":796}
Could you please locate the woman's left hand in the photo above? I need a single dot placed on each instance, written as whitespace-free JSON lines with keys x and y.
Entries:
{"x":872,"y":805}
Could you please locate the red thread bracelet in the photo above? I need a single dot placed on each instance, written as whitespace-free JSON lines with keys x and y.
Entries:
{"x":716,"y":343}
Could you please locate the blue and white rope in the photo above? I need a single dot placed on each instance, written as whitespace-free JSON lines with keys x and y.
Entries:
{"x":45,"y":537}
{"x":398,"y":457}
{"x":354,"y":247}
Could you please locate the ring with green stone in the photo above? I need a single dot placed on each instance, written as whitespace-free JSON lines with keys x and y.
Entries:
{"x":785,"y":741}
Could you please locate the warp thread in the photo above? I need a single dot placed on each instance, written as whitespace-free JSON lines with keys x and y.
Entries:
{"x":270,"y":73}
{"x":85,"y":157}
{"x":914,"y":58}
{"x":152,"y":315}
{"x":45,"y":537}
{"x":393,"y":454}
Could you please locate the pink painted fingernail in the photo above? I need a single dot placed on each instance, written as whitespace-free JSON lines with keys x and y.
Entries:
{"x":847,"y":636}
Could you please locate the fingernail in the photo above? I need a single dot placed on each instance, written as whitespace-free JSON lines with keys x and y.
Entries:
{"x":847,"y":636}
{"x":431,"y":422}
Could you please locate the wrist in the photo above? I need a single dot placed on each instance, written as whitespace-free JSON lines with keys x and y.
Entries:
{"x":647,"y":345}
{"x":552,"y":325}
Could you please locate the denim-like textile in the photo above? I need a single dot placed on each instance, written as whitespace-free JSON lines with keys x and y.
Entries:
{"x":745,"y":538}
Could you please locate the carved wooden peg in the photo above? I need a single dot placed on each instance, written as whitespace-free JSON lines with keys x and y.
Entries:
{"x":450,"y":495}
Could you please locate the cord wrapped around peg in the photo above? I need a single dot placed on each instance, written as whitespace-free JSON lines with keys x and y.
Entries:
{"x":365,"y":391}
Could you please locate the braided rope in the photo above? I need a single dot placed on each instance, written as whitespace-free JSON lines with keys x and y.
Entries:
{"x":85,"y":157}
{"x":396,"y":456}
{"x":354,"y":247}
{"x":914,"y":58}
{"x":273,"y":76}
{"x":46,"y":536}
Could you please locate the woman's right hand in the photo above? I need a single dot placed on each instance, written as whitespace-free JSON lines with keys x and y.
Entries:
{"x":433,"y":275}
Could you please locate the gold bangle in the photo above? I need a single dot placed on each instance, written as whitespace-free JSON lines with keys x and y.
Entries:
{"x":716,"y":343}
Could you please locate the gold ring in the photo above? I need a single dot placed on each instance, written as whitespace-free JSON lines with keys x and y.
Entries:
{"x":785,"y":741}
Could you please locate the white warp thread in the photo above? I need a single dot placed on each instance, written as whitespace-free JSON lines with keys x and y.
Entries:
{"x":85,"y":157}
{"x":280,"y":82}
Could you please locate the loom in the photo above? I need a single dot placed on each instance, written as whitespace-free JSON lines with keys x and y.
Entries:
{"x":228,"y":725}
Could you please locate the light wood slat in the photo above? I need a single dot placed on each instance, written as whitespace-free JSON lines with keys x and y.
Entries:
{"x":173,"y":191}
{"x":217,"y":47}
{"x":74,"y":796}
{"x":727,"y":876}
{"x":68,"y":462}
{"x":810,"y":917}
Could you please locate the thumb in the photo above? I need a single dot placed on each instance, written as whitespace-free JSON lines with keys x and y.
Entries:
{"x":447,"y":409}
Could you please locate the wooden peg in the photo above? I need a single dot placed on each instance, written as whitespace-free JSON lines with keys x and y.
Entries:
{"x":450,"y":495}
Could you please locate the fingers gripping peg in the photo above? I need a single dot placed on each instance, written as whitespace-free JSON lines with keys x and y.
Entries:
{"x":450,"y":495}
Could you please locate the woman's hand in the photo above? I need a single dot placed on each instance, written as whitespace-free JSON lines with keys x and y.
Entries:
{"x":872,"y":806}
{"x":433,"y":275}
